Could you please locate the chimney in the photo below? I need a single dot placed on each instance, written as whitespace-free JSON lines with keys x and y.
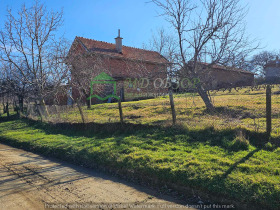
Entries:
{"x":119,"y":42}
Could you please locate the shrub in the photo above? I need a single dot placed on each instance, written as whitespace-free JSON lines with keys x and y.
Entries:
{"x":240,"y":142}
{"x":268,"y":146}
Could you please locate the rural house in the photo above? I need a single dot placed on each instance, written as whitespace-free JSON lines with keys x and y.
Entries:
{"x":217,"y":76}
{"x":272,"y":71}
{"x":126,"y":65}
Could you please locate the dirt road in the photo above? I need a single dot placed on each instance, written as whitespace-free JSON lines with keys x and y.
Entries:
{"x":30,"y":181}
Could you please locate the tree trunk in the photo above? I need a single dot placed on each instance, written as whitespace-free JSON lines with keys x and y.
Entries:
{"x":81,"y":112}
{"x":42,"y":103}
{"x":88,"y":102}
{"x":202,"y":93}
{"x":20,"y":102}
{"x":39,"y":111}
{"x":16,"y":108}
{"x":4,"y":106}
{"x":76,"y":101}
{"x":7,"y":110}
{"x":205,"y":98}
{"x":43,"y":110}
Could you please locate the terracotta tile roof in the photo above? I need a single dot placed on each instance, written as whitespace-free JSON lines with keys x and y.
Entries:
{"x":227,"y":68}
{"x":109,"y":49}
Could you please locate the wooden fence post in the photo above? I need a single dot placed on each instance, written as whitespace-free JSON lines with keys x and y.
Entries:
{"x":268,"y":110}
{"x":122,"y":95}
{"x":120,"y":106}
{"x":172,"y":106}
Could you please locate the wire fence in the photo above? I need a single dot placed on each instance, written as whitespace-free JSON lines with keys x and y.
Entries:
{"x":244,"y":107}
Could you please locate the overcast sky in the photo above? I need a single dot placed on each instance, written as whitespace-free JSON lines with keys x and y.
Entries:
{"x":100,"y":19}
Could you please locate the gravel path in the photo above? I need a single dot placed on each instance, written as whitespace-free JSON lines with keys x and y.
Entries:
{"x":30,"y":181}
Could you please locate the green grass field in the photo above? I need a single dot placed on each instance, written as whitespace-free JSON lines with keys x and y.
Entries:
{"x":244,"y":108}
{"x":225,"y":154}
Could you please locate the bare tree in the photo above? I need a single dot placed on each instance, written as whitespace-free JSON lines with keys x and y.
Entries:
{"x":11,"y":85}
{"x":166,"y":45}
{"x":260,"y":60}
{"x":32,"y":52}
{"x":209,"y":31}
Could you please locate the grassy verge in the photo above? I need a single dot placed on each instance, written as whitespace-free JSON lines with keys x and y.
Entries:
{"x":216,"y":161}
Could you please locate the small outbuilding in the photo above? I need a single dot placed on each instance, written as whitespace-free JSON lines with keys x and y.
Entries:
{"x":272,"y":71}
